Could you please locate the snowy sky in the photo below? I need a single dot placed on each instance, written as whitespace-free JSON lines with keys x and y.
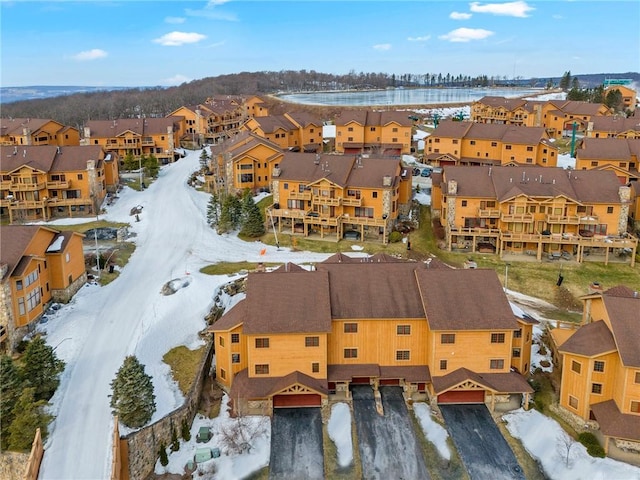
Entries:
{"x":78,"y":44}
{"x":94,"y":333}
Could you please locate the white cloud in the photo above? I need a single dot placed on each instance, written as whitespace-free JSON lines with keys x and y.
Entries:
{"x":459,"y":16}
{"x":466,"y":35}
{"x":509,"y":9}
{"x":175,"y":80}
{"x":382,"y":47}
{"x":176,"y":39}
{"x":174,"y":20}
{"x":89,"y":55}
{"x":424,"y":38}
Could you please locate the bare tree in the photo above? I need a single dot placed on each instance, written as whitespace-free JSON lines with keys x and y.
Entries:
{"x":565,"y":443}
{"x":240,"y":432}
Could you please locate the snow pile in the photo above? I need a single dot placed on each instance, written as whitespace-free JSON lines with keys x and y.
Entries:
{"x":227,"y":466}
{"x":536,"y":356}
{"x":544,"y":439}
{"x":434,"y":432}
{"x":422,"y":197}
{"x":339,"y":428}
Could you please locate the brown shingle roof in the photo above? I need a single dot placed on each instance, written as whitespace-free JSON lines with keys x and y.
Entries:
{"x":231,"y":318}
{"x":37,"y":157}
{"x":273,"y":123}
{"x":590,"y":340}
{"x":76,"y":157}
{"x":14,"y":241}
{"x":344,"y":373}
{"x":615,"y":124}
{"x":287,"y":303}
{"x":139,"y":126}
{"x":624,"y":315}
{"x":416,"y":373}
{"x":604,"y":148}
{"x":258,"y":387}
{"x":16,"y":126}
{"x":614,"y":423}
{"x":373,"y":290}
{"x":464,"y":300}
{"x":510,"y":382}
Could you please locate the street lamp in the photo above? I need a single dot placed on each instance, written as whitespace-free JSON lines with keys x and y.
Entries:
{"x":506,"y":275}
{"x":140,"y":171}
{"x":109,"y":257}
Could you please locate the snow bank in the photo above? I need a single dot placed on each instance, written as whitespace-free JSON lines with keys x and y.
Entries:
{"x":339,"y":428}
{"x":434,"y":432}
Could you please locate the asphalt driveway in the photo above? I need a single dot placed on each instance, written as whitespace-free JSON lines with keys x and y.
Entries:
{"x":387,"y":444}
{"x":296,"y":444}
{"x":484,"y":451}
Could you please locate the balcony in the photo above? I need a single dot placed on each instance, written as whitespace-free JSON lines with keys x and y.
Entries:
{"x":58,"y":185}
{"x":289,"y":213}
{"x":6,"y":185}
{"x":517,"y":217}
{"x":323,"y":221}
{"x":26,"y":204}
{"x":327,"y":201}
{"x":488,"y":213}
{"x":27,"y":187}
{"x":589,"y":220}
{"x":563,"y":219}
{"x":352,"y":202}
{"x":54,"y":202}
{"x":306,"y":195}
{"x":368,"y":221}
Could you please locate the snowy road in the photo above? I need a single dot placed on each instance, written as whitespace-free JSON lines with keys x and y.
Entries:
{"x":102,"y":325}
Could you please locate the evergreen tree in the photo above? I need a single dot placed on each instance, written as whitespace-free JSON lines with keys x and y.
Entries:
{"x":565,"y":81}
{"x":575,"y":83}
{"x":164,"y":460}
{"x":613,"y":100}
{"x":213,"y":210}
{"x":41,"y":368}
{"x":151,"y":166}
{"x":230,"y":214}
{"x":10,"y":390}
{"x":28,"y":417}
{"x":132,"y":398}
{"x":204,"y":160}
{"x":185,"y":431}
{"x":130,"y":162}
{"x":252,"y":220}
{"x":175,"y":443}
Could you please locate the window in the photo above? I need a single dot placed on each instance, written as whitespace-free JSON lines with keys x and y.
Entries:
{"x":497,"y":338}
{"x":516,"y":353}
{"x":496,"y":364}
{"x":262,"y":343}
{"x":508,"y":147}
{"x":18,"y":284}
{"x":403,"y":329}
{"x":350,"y":353}
{"x":33,"y":299}
{"x":221,"y":341}
{"x":637,"y":379}
{"x":21,"y":309}
{"x":609,"y":209}
{"x":576,"y":366}
{"x":494,"y":144}
{"x":79,"y":176}
{"x":573,"y":402}
{"x":517,"y":334}
{"x":235,"y":358}
{"x":596,"y":388}
{"x":223,"y":373}
{"x":311,"y":341}
{"x":374,"y":195}
{"x":350,"y":328}
{"x":464,"y":203}
{"x":235,"y":338}
{"x":448,"y":338}
{"x":315,"y":367}
{"x":402,"y":355}
{"x":285,"y":186}
{"x":472,"y":142}
{"x":443,"y":364}
{"x":635,"y":406}
{"x":598,"y":366}
{"x":262,"y":369}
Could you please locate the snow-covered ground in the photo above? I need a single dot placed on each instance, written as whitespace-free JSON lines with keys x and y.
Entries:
{"x":102,"y":325}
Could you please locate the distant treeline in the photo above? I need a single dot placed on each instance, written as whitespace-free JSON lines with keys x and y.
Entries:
{"x":74,"y":110}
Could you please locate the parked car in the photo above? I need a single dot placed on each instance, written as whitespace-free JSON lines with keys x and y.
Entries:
{"x":426,"y":172}
{"x":351,"y":235}
{"x":416,"y":172}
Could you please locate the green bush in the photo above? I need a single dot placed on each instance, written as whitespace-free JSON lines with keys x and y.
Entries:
{"x":590,"y":441}
{"x":395,"y":237}
{"x":164,"y":459}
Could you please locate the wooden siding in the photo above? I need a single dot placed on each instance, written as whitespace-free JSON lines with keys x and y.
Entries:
{"x":287,"y":353}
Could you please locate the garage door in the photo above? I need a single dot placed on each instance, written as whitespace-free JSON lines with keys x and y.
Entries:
{"x":301,"y":400}
{"x":389,"y":381}
{"x":462,"y":396}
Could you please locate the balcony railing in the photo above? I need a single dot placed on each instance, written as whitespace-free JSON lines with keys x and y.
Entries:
{"x":300,"y":195}
{"x":351,"y":202}
{"x":55,"y":201}
{"x":474,"y":230}
{"x":589,"y":220}
{"x":327,"y":201}
{"x":58,"y":184}
{"x":289,"y":212}
{"x":26,"y":204}
{"x":329,"y":221}
{"x":488,"y":213}
{"x":6,"y":185}
{"x":27,"y":187}
{"x":563,"y":219}
{"x":368,"y":221}
{"x":517,"y":217}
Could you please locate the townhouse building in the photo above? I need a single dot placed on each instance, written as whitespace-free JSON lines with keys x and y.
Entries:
{"x":40,"y":183}
{"x":328,"y":195}
{"x":246,"y":161}
{"x":38,"y":265}
{"x":139,"y":136}
{"x":387,"y":133}
{"x":558,"y":117}
{"x":37,"y":131}
{"x":295,"y":131}
{"x":538,"y":211}
{"x":600,"y":385}
{"x":301,"y":338}
{"x":615,"y":126}
{"x":468,"y":143}
{"x":629,"y":96}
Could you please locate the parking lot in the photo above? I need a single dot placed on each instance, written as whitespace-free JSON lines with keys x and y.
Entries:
{"x":296,"y":444}
{"x":387,"y":443}
{"x":484,"y":451}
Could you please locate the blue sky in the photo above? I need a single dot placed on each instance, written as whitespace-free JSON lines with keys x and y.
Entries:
{"x":147,"y":43}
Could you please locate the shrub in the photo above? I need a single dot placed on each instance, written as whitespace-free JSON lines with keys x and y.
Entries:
{"x":590,"y":441}
{"x":186,"y":431}
{"x":395,"y":237}
{"x":164,"y":460}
